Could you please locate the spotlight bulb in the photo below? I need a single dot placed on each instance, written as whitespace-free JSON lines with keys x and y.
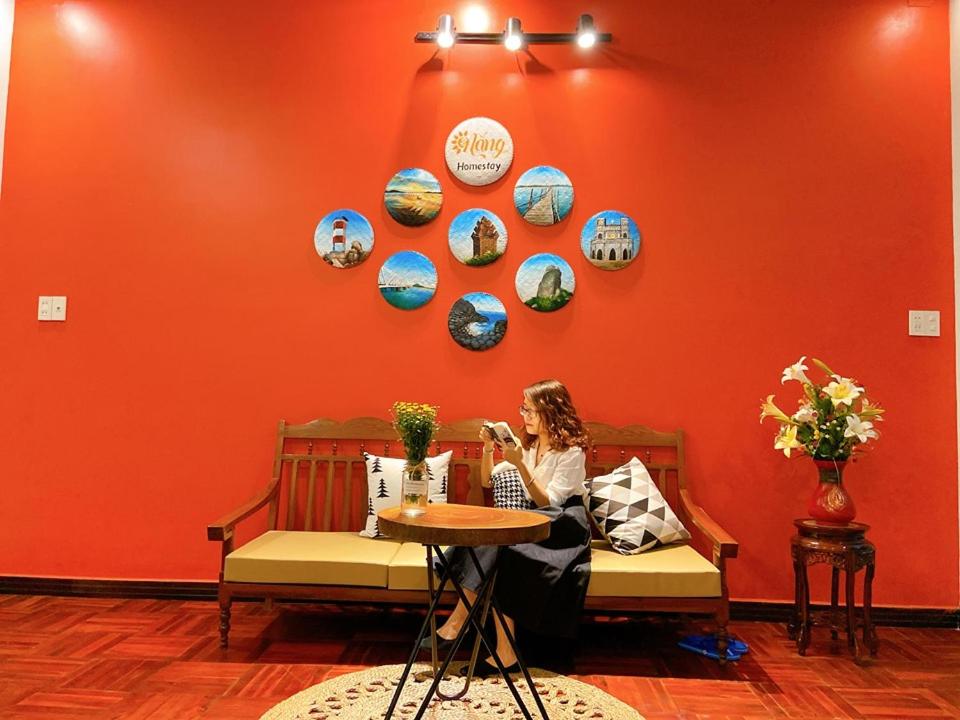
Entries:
{"x":513,"y":36}
{"x":445,"y":31}
{"x":586,"y":34}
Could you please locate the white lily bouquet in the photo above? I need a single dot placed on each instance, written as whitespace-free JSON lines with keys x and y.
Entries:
{"x":833,"y":420}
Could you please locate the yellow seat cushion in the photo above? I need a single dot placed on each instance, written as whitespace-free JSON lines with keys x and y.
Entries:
{"x":312,"y":558}
{"x":668,"y":571}
{"x":408,"y":568}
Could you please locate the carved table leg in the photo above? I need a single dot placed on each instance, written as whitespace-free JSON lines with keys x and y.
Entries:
{"x":869,"y":632}
{"x":803,"y":639}
{"x":834,"y":609}
{"x":224,"y":622}
{"x":793,"y":626}
{"x":851,"y":570}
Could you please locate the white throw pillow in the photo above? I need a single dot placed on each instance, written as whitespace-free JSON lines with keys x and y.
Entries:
{"x":630,"y":511}
{"x":384,"y":481}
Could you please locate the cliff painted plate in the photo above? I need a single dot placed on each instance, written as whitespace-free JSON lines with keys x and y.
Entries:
{"x":543,"y":195}
{"x":545,"y":282}
{"x":610,"y":240}
{"x":344,"y":238}
{"x":477,"y":237}
{"x":477,"y":321}
{"x":407,"y":280}
{"x":479,"y":151}
{"x":413,"y":197}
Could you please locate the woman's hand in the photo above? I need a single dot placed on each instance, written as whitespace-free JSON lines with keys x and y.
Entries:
{"x":487,"y":440}
{"x":512,"y":454}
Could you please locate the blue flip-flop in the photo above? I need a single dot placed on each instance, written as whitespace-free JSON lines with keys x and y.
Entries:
{"x":707,"y":645}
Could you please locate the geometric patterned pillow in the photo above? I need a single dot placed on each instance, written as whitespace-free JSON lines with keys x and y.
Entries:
{"x":385,"y":479}
{"x":508,"y":492}
{"x":630,"y":511}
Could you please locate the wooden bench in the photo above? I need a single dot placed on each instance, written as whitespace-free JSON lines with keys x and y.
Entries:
{"x":316,"y":502}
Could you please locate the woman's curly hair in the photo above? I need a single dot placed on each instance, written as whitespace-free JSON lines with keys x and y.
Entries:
{"x":551,"y":400}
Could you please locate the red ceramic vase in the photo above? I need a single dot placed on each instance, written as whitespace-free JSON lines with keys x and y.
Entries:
{"x":830,"y":502}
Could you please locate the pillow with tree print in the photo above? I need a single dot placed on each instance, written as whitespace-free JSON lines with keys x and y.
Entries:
{"x":385,"y":479}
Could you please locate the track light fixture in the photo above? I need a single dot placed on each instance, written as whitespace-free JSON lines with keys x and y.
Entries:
{"x":513,"y":38}
{"x":446,"y":33}
{"x":513,"y":35}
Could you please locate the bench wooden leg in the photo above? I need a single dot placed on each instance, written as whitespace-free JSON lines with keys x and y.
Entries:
{"x":225,"y":601}
{"x":723,"y":637}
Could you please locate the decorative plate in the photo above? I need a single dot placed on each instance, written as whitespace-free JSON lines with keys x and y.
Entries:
{"x":545,"y":282}
{"x":413,"y":197}
{"x":407,"y":280}
{"x":477,"y":237}
{"x":477,"y":321}
{"x":344,"y":238}
{"x":610,"y":240}
{"x":479,"y":151}
{"x":543,"y":195}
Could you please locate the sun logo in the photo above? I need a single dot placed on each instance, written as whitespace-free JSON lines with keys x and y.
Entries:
{"x":460,"y":142}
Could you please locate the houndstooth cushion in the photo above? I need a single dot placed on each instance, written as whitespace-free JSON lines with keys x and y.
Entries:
{"x":508,"y":489}
{"x":385,"y":480}
{"x":630,"y":511}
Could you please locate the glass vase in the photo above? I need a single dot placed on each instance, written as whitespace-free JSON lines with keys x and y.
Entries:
{"x":830,"y":501}
{"x":414,"y":489}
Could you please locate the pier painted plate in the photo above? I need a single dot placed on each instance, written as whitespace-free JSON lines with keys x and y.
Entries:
{"x":543,"y":195}
{"x":344,"y":238}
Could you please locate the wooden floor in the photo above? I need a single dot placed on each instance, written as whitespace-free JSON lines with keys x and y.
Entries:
{"x":107,"y":658}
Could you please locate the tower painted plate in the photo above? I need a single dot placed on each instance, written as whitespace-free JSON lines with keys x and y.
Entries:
{"x":477,"y":321}
{"x":344,"y":238}
{"x":545,"y":282}
{"x":479,"y":151}
{"x":543,"y":195}
{"x":610,"y":240}
{"x":407,"y":280}
{"x":477,"y":237}
{"x":413,"y":197}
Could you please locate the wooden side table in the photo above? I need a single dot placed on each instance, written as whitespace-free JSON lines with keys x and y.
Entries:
{"x":843,"y":547}
{"x":467,"y":526}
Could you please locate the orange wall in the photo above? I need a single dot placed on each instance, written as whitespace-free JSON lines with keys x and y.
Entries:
{"x":788,"y":165}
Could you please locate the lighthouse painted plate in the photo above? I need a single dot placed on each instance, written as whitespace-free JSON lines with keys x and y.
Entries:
{"x":477,"y":237}
{"x":543,"y":195}
{"x":477,"y":321}
{"x":610,"y":240}
{"x":407,"y":280}
{"x":413,"y":197}
{"x":344,"y":238}
{"x":545,"y":282}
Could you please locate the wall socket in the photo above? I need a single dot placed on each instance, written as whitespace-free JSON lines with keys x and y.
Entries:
{"x":52,"y":307}
{"x":924,"y":323}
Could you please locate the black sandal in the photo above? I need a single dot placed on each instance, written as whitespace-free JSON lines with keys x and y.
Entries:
{"x":484,"y":669}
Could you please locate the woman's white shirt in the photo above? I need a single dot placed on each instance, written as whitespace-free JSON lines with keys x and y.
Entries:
{"x":560,"y":472}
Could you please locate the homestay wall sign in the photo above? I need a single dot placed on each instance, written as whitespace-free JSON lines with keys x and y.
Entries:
{"x":479,"y":151}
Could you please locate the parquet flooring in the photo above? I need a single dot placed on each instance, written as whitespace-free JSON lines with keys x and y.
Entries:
{"x":70,"y":658}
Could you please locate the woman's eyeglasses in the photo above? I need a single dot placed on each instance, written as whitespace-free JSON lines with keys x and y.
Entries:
{"x":526,"y":412}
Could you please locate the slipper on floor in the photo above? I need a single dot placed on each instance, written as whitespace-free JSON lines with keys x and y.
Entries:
{"x":707,"y":645}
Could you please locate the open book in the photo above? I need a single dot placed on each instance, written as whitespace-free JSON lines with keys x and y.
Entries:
{"x":501,"y":433}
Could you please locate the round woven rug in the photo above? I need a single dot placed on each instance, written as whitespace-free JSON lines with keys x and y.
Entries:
{"x":366,"y":695}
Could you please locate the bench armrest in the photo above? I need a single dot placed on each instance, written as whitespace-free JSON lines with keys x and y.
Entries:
{"x":724,"y":546}
{"x":222,"y":529}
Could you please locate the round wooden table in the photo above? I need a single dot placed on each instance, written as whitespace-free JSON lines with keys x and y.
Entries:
{"x":843,"y":547}
{"x":467,"y":526}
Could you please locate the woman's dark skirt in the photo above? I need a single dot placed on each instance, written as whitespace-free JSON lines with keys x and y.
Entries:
{"x":540,"y":585}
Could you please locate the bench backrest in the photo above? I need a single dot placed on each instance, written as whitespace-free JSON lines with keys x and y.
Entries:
{"x":324,"y":480}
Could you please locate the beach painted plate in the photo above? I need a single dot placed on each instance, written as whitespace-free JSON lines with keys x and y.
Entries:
{"x":543,"y":195}
{"x":479,"y":151}
{"x":477,"y":321}
{"x":344,"y":238}
{"x":407,"y":280}
{"x":610,"y":240}
{"x":413,"y":197}
{"x":477,"y":237}
{"x":545,"y":282}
